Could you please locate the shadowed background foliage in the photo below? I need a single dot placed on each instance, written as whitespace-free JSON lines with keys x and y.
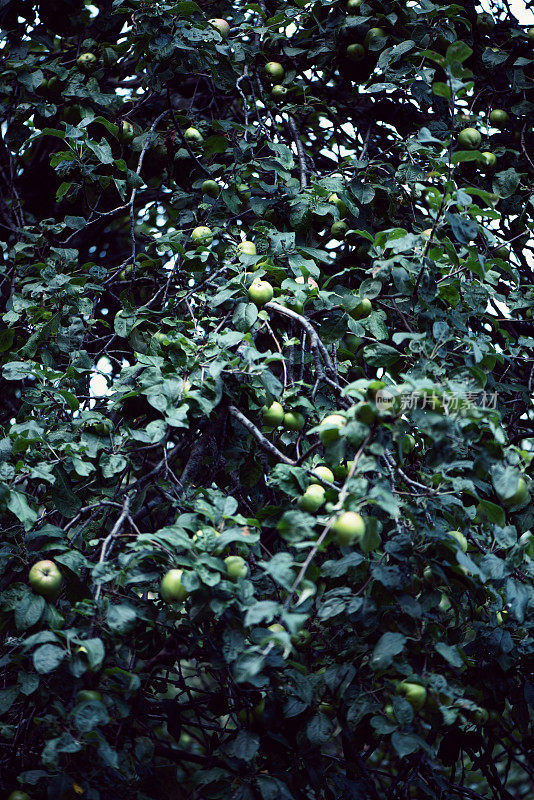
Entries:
{"x":214,"y":235}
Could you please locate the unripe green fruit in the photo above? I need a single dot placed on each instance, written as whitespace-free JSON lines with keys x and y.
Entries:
{"x":18,"y":795}
{"x":374,"y":33}
{"x":469,"y":138}
{"x":498,"y":117}
{"x":530,"y":34}
{"x":293,"y":421}
{"x":279,"y":92}
{"x":260,"y":292}
{"x":413,"y":692}
{"x":460,"y":538}
{"x":126,"y":132}
{"x":355,"y":52}
{"x":243,"y":190}
{"x":519,"y":496}
{"x":202,"y":235}
{"x":362,"y":310}
{"x":485,"y":22}
{"x":236,"y":567}
{"x":407,"y":443}
{"x":428,"y":575}
{"x":249,"y":248}
{"x":46,"y":579}
{"x":274,"y":415}
{"x":85,"y":695}
{"x":222,"y":26}
{"x":347,"y":527}
{"x":366,"y":413}
{"x":353,"y":6}
{"x":324,"y":472}
{"x":275,"y":71}
{"x":193,"y":136}
{"x":352,"y":342}
{"x":86,"y":62}
{"x":312,"y":499}
{"x":211,"y":188}
{"x":339,"y":204}
{"x":339,"y":229}
{"x":490,"y":159}
{"x":333,"y":423}
{"x":171,"y":587}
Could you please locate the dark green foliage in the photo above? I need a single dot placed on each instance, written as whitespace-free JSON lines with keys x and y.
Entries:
{"x":135,"y":369}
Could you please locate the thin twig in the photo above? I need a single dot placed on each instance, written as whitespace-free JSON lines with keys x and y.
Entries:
{"x":260,"y":438}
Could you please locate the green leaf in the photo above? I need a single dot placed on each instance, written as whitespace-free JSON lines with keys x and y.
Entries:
{"x":506,"y":183}
{"x":245,"y":746}
{"x":47,"y":658}
{"x":457,"y":53}
{"x":19,"y":506}
{"x":388,"y":646}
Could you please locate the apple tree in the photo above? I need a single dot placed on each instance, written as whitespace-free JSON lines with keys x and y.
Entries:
{"x":266,"y":420}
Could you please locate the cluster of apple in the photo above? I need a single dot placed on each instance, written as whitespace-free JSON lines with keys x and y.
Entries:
{"x":274,"y":416}
{"x":172,"y":589}
{"x":470,"y":138}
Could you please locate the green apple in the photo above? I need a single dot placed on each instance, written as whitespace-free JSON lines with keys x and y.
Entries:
{"x":498,"y":117}
{"x":211,"y":188}
{"x":352,"y":342}
{"x":353,"y":6}
{"x":460,"y":538}
{"x":171,"y":587}
{"x":193,"y":136}
{"x":414,"y":693}
{"x":86,"y":62}
{"x":366,"y":413}
{"x":362,"y":310}
{"x":312,"y":499}
{"x":347,"y":527}
{"x":293,"y":421}
{"x":469,"y":138}
{"x":85,"y":695}
{"x":126,"y":131}
{"x":275,"y":71}
{"x":274,"y":415}
{"x":249,"y":248}
{"x":202,"y":235}
{"x":530,"y":34}
{"x":355,"y":52}
{"x":407,"y":443}
{"x":519,"y":496}
{"x":260,"y":292}
{"x":339,"y":204}
{"x":279,"y":92}
{"x":428,"y":575}
{"x":18,"y":795}
{"x":485,"y":22}
{"x":374,"y":33}
{"x":243,"y":190}
{"x":330,"y":427}
{"x":236,"y":567}
{"x":388,"y":711}
{"x":222,"y":26}
{"x":339,"y":229}
{"x":490,"y":159}
{"x":46,"y":579}
{"x":324,"y":473}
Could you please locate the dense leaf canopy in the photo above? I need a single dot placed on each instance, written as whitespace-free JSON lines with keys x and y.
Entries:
{"x":362,"y":632}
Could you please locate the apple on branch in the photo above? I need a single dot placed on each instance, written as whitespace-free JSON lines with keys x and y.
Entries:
{"x":46,"y":579}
